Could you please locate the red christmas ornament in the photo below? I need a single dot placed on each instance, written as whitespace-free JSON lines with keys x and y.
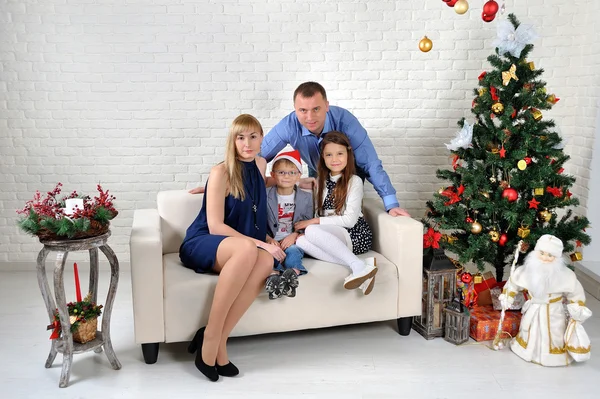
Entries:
{"x":510,"y":194}
{"x":487,"y":18}
{"x":490,"y":8}
{"x":527,"y":160}
{"x":450,"y":3}
{"x":533,"y":204}
{"x":503,"y":239}
{"x":482,"y":75}
{"x":469,"y":219}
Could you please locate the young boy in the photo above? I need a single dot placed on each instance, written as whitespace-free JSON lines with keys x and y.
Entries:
{"x":286,"y":205}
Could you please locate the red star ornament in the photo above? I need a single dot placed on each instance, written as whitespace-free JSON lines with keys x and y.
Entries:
{"x":533,"y":204}
{"x":502,"y":152}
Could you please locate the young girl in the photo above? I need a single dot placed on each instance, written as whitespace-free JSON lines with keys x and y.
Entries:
{"x":228,"y":238}
{"x":340,"y":232}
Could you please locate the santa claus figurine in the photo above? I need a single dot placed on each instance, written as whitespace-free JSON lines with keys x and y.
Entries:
{"x":550,"y":333}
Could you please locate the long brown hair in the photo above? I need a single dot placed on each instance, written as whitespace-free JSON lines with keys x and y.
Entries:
{"x":233,"y":165}
{"x":340,"y":192}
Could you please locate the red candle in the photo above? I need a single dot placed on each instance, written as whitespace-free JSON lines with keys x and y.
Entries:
{"x":77,"y":287}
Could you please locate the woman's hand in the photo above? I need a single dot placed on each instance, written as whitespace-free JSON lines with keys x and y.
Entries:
{"x":305,"y":223}
{"x":272,"y":241}
{"x":275,"y":251}
{"x":197,"y":190}
{"x":288,"y":241}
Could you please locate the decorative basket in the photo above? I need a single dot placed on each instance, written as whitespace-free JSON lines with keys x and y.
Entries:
{"x":96,"y":229}
{"x":86,"y":332}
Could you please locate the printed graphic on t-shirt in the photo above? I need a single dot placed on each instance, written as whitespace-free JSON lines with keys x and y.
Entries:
{"x":286,"y":207}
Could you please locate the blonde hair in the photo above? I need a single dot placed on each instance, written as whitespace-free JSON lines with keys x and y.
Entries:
{"x":233,"y":165}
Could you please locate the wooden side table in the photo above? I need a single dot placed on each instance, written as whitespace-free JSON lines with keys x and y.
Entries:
{"x":65,"y":344}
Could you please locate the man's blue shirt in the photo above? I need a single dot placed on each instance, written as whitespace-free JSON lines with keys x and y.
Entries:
{"x":290,"y":131}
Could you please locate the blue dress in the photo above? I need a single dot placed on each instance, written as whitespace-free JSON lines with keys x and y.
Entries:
{"x":249,"y":217}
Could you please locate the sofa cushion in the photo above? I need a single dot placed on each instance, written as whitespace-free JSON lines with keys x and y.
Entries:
{"x":177,"y":210}
{"x":321,"y":300}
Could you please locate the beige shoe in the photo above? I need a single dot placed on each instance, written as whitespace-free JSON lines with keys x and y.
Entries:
{"x":354,"y":281}
{"x":368,"y":285}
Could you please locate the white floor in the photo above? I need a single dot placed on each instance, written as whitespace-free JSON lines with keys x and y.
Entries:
{"x":362,"y":361}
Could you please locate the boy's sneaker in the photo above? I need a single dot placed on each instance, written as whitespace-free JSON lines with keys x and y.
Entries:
{"x":274,"y":286}
{"x":290,"y":282}
{"x":368,"y":285}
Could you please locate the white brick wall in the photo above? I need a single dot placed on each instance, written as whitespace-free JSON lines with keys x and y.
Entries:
{"x":138,"y":94}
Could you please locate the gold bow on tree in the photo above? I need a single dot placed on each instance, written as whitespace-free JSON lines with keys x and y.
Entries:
{"x":510,"y":74}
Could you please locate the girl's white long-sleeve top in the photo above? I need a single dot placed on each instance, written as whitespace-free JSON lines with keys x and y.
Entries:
{"x":352,"y":209}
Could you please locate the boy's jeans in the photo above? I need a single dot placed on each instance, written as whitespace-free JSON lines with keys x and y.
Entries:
{"x":293,"y":260}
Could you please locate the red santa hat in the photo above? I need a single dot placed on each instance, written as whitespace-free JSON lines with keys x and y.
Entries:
{"x":292,"y":156}
{"x":550,"y":244}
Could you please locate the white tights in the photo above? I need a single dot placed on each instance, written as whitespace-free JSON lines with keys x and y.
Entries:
{"x":331,"y":244}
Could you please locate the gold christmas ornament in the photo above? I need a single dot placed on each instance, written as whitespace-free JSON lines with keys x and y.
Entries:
{"x":485,"y":194}
{"x":494,"y":236}
{"x":461,"y":7}
{"x":498,"y":108}
{"x":545,"y":215}
{"x":537,"y":114}
{"x":478,"y":278}
{"x":523,"y":231}
{"x":425,"y":44}
{"x":576,"y":256}
{"x":538,"y":191}
{"x":522,"y":165}
{"x":482,"y":91}
{"x":531,"y":65}
{"x":451,"y":239}
{"x":510,"y":74}
{"x":476,"y":227}
{"x":441,"y":190}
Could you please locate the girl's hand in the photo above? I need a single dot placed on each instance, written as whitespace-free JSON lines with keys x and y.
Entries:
{"x":288,"y":241}
{"x":305,"y":223}
{"x":275,"y":251}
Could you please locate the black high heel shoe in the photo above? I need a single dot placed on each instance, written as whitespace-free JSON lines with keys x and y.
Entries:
{"x":209,"y":372}
{"x":228,"y":370}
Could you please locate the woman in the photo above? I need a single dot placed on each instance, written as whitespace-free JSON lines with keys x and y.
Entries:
{"x":228,"y":238}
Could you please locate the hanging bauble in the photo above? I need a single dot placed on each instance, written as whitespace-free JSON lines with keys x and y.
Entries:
{"x":498,"y":108}
{"x":523,"y":231}
{"x":487,"y":18}
{"x":485,"y":194}
{"x":425,"y":44}
{"x":482,"y":91}
{"x":469,"y":219}
{"x":537,"y":114}
{"x":576,"y":256}
{"x":531,"y":65}
{"x":545,"y":215}
{"x":527,"y":160}
{"x":510,"y":194}
{"x":538,"y":191}
{"x":490,"y":8}
{"x":522,"y":165}
{"x":461,"y":7}
{"x":503,"y":239}
{"x":552,"y":99}
{"x":450,"y":3}
{"x":476,"y":227}
{"x":494,"y":235}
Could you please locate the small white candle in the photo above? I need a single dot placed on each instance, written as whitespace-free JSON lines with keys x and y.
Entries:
{"x":73,"y":203}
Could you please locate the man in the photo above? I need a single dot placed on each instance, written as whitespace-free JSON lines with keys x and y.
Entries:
{"x":541,"y":338}
{"x":312,"y":119}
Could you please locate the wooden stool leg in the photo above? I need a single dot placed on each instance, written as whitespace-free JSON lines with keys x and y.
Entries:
{"x":48,"y":300}
{"x":67,"y":338}
{"x":110,"y":299}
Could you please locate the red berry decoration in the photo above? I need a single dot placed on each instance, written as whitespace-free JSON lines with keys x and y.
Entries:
{"x":490,"y":8}
{"x":510,"y":194}
{"x":487,"y":17}
{"x":503,"y":239}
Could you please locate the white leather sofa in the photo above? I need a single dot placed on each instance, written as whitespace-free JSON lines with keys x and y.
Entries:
{"x":170,"y":302}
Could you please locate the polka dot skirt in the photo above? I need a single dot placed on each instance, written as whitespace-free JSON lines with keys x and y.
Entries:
{"x":360,"y":234}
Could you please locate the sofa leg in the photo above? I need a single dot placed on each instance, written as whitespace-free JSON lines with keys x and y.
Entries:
{"x":404,"y":325}
{"x":150,"y":352}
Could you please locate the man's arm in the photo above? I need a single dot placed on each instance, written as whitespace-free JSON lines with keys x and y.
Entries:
{"x":369,"y":162}
{"x":276,"y":140}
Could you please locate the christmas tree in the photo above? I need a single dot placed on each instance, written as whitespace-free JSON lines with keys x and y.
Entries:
{"x":506,"y":182}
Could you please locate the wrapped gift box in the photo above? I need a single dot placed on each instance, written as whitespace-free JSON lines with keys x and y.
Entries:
{"x":484,"y":296}
{"x":484,"y":323}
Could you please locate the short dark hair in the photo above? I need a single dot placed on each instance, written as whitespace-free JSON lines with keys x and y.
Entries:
{"x":309,"y":89}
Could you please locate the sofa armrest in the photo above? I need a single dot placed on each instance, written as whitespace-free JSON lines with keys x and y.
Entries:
{"x":145,"y":247}
{"x":400,"y":240}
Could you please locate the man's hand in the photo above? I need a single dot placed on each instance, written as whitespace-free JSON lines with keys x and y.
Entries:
{"x":197,"y":190}
{"x":398,"y":212}
{"x":288,"y":241}
{"x":307,"y":183}
{"x":303,"y":224}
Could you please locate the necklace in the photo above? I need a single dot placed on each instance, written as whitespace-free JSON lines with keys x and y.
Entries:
{"x":254,"y":207}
